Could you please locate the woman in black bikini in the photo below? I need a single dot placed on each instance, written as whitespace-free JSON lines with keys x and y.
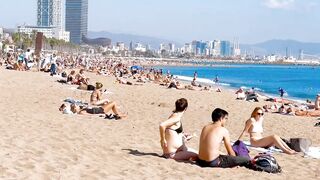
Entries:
{"x":172,"y":137}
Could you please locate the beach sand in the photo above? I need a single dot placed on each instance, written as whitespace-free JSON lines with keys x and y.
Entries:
{"x":38,"y":142}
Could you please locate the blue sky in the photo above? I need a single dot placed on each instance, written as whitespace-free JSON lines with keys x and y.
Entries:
{"x":185,"y":20}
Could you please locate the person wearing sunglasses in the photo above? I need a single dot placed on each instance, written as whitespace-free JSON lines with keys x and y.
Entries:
{"x":254,"y":127}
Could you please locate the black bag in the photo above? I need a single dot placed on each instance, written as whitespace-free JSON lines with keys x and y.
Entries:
{"x":265,"y":162}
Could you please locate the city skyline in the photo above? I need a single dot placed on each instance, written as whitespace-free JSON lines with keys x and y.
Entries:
{"x":184,"y":21}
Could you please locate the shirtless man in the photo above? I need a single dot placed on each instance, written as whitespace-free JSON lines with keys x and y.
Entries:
{"x":210,"y":140}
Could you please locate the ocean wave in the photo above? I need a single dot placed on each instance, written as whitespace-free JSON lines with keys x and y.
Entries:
{"x":201,"y":80}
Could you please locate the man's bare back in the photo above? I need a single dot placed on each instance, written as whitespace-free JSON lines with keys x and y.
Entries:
{"x":211,"y":136}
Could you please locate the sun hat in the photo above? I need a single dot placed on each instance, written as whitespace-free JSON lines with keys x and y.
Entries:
{"x":99,"y":85}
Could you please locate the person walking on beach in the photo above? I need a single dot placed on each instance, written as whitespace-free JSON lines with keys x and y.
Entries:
{"x":53,"y":67}
{"x":27,"y":56}
{"x":172,"y":138}
{"x":210,"y":141}
{"x":253,"y":126}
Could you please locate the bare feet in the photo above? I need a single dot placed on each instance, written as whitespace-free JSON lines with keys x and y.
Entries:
{"x":291,"y":152}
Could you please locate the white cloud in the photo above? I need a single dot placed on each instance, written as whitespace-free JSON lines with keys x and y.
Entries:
{"x":280,"y":4}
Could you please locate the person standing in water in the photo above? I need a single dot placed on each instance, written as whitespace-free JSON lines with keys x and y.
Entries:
{"x":281,"y":92}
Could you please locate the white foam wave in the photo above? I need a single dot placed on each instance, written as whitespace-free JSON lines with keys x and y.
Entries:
{"x":201,"y":80}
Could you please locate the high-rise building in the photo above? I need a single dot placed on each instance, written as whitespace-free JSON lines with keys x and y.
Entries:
{"x":301,"y":56}
{"x":216,"y":48}
{"x":77,"y":19}
{"x":131,"y":46}
{"x":50,"y":17}
{"x":172,"y":47}
{"x":50,"y":14}
{"x":236,"y":51}
{"x":225,"y":48}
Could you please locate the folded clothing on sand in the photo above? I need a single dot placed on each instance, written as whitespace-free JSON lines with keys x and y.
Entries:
{"x":74,"y":101}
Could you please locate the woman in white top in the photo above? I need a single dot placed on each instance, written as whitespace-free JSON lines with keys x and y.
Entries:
{"x":254,"y":128}
{"x":240,"y":94}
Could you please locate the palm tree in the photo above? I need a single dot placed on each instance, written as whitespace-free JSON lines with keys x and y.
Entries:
{"x":53,"y":42}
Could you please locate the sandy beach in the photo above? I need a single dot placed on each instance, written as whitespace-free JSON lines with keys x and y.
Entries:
{"x":39,"y":142}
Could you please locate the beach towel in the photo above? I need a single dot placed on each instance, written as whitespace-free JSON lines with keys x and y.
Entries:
{"x":264,"y":150}
{"x":313,"y":152}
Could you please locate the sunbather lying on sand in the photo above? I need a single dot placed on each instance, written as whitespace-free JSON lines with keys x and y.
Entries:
{"x":308,"y":113}
{"x":94,"y":110}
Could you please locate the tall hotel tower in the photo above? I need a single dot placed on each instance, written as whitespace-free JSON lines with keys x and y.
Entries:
{"x":77,"y":19}
{"x":50,"y":19}
{"x":50,"y":14}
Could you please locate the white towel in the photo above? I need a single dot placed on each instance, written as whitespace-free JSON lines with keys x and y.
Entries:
{"x":268,"y":150}
{"x":313,"y":152}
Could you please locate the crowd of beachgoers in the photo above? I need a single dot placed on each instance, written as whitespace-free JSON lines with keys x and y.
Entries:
{"x":72,"y":69}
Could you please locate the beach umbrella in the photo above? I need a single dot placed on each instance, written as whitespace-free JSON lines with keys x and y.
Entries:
{"x":136,"y":68}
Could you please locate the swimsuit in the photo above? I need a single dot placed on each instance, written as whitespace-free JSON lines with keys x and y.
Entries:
{"x":172,"y":154}
{"x":213,"y":163}
{"x":178,"y":130}
{"x":257,"y":127}
{"x":226,"y":161}
{"x":97,"y":110}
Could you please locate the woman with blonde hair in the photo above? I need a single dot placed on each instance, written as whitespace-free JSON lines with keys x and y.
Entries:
{"x":254,"y":127}
{"x":96,"y":96}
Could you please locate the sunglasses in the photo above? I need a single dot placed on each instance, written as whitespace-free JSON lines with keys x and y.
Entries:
{"x":261,"y":114}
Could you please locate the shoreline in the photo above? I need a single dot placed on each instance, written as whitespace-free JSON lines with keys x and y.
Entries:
{"x":226,"y":85}
{"x":208,"y":62}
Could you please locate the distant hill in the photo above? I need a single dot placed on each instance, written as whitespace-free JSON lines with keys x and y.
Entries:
{"x":97,"y":41}
{"x":279,"y":47}
{"x":127,"y":38}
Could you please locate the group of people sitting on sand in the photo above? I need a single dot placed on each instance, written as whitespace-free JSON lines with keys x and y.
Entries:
{"x":250,"y":95}
{"x":97,"y":105}
{"x":172,"y":138}
{"x":295,"y":109}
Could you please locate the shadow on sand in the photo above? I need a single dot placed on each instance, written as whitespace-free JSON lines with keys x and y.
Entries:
{"x":138,"y":153}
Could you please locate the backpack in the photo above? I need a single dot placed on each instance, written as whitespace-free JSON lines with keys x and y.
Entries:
{"x":265,"y":162}
{"x":240,"y":149}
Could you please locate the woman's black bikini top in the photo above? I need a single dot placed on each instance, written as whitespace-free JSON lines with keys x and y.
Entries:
{"x":179,"y":130}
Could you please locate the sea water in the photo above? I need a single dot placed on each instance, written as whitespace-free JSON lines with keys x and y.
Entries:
{"x":299,"y":82}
